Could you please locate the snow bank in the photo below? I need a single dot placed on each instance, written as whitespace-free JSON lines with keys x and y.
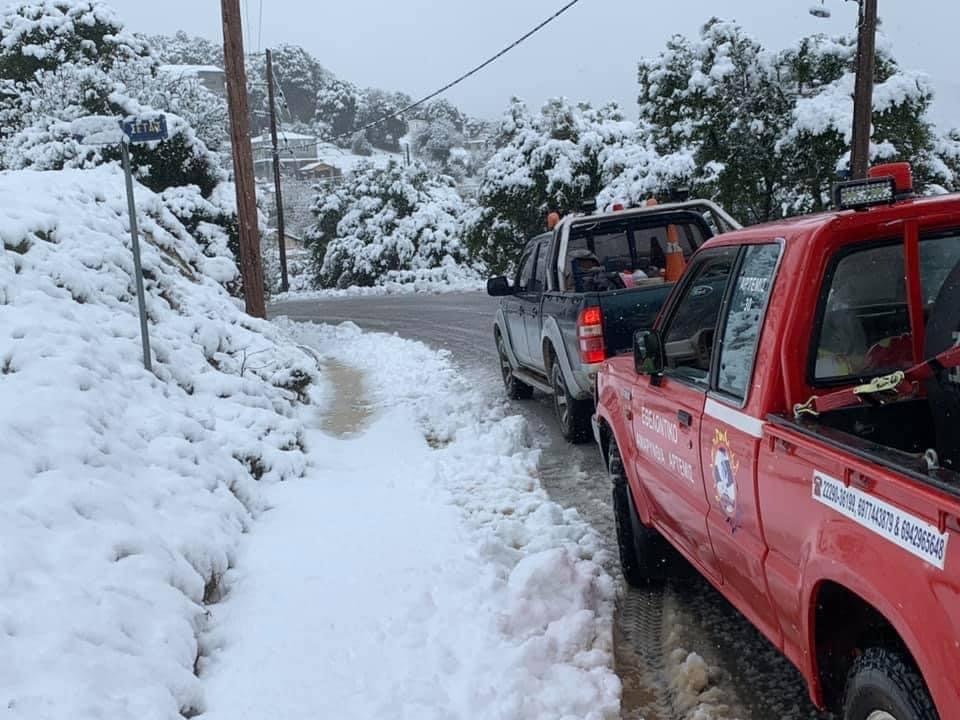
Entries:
{"x":419,"y":571}
{"x":123,"y":493}
{"x":448,"y":277}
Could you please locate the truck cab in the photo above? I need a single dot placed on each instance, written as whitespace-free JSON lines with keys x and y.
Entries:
{"x":790,"y":426}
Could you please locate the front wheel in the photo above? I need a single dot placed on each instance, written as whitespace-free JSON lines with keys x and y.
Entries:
{"x":516,"y":390}
{"x":643,"y":552}
{"x":573,"y":415}
{"x":882,"y":685}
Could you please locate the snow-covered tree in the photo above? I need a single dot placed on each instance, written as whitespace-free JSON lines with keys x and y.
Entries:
{"x":718,"y":97}
{"x":299,"y":77}
{"x":442,"y":110}
{"x":359,"y":145}
{"x":769,"y":132}
{"x":184,"y":49}
{"x":376,"y":104}
{"x":556,"y":160}
{"x":435,"y":139}
{"x":337,"y":103}
{"x":385,"y":220}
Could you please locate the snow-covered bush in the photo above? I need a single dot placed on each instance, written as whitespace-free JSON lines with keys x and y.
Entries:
{"x":124,"y":493}
{"x":385,"y":219}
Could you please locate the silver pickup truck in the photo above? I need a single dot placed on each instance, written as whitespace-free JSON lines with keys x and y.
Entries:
{"x":582,"y":290}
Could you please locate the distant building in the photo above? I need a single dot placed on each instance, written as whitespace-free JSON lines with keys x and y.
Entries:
{"x":319,"y":170}
{"x":210,"y":76}
{"x":296,"y":151}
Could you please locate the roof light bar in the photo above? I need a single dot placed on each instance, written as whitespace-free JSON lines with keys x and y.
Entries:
{"x":860,"y":194}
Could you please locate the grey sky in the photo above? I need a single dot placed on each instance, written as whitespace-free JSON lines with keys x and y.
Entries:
{"x":589,"y":53}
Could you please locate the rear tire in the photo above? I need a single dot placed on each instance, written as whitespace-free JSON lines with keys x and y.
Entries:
{"x":882,"y":685}
{"x":516,"y":390}
{"x":643,"y":551}
{"x":573,"y":415}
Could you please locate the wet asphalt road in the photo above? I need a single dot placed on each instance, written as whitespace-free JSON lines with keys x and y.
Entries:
{"x":754,"y":682}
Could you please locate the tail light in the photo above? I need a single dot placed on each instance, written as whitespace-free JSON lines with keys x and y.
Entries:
{"x":590,"y":336}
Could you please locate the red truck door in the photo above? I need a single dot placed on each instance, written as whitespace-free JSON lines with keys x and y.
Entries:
{"x":730,"y":440}
{"x":667,"y":413}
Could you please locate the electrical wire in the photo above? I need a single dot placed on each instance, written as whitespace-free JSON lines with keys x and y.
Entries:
{"x":453,"y":83}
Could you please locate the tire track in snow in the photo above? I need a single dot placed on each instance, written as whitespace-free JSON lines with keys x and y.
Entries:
{"x":638,"y":639}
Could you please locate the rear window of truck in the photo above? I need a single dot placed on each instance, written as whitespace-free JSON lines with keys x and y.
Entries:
{"x":629,"y":246}
{"x":864,"y":325}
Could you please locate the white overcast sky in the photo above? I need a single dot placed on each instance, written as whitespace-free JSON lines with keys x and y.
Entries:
{"x":588,"y":53}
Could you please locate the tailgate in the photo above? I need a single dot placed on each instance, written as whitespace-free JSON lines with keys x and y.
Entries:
{"x":626,"y":311}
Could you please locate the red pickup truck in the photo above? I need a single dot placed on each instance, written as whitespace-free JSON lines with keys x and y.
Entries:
{"x":791,"y":426}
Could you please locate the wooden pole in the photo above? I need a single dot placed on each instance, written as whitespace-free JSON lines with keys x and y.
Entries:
{"x":281,"y":237}
{"x":863,"y":91}
{"x":250,"y":266}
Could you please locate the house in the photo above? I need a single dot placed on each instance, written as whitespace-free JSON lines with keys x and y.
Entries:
{"x":319,"y":170}
{"x":210,"y":76}
{"x":296,"y":151}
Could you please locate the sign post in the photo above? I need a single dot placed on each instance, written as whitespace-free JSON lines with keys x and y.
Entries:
{"x":135,"y":131}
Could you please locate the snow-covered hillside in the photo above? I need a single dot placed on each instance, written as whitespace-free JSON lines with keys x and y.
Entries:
{"x":123,"y":494}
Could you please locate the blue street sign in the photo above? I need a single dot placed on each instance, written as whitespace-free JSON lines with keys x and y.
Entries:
{"x":141,"y":130}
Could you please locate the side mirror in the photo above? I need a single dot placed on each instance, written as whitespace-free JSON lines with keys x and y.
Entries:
{"x":648,"y":356}
{"x":498,"y":286}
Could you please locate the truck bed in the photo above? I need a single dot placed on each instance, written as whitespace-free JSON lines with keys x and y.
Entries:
{"x":895,"y":436}
{"x":624,"y":312}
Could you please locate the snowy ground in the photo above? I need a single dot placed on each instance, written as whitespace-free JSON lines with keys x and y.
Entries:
{"x":449,"y":278}
{"x":418,"y":570}
{"x":123,"y":493}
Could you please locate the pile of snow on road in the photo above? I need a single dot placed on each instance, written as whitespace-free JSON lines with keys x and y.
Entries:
{"x":457,"y":588}
{"x":123,"y":493}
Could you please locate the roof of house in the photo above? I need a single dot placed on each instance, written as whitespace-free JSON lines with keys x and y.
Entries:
{"x":192,"y":70}
{"x":285,"y":135}
{"x":319,"y":165}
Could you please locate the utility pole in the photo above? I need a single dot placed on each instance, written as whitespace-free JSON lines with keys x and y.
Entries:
{"x":863,"y":92}
{"x":250,"y":267}
{"x":284,"y":284}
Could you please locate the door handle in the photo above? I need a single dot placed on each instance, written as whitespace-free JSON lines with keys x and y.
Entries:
{"x":685,"y":418}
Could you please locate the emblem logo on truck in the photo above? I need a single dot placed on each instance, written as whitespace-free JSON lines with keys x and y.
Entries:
{"x":725,"y":467}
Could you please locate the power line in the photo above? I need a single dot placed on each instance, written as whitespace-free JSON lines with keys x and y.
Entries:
{"x":453,"y":83}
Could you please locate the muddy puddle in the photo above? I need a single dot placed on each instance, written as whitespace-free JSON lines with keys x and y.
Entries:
{"x":350,"y":409}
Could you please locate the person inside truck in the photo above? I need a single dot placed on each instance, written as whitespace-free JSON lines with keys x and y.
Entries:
{"x":585,"y":273}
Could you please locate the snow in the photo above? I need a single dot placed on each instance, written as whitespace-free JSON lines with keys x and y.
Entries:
{"x":432,"y":576}
{"x":124,"y":493}
{"x":417,"y":569}
{"x":188,"y":70}
{"x":449,"y":277}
